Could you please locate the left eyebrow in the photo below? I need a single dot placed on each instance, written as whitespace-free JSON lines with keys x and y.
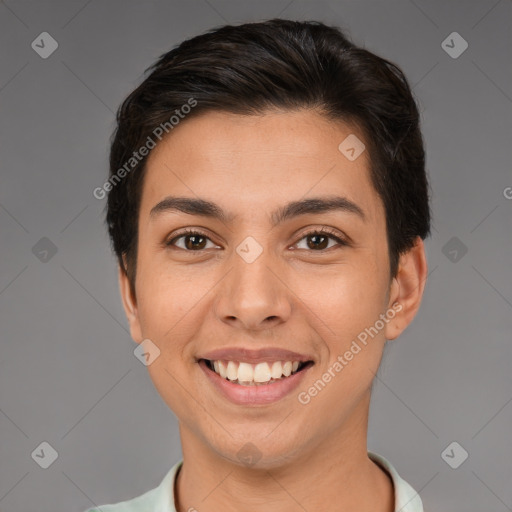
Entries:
{"x":316,"y":205}
{"x":204,"y":208}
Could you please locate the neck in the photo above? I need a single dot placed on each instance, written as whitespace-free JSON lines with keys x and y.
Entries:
{"x":332,"y":474}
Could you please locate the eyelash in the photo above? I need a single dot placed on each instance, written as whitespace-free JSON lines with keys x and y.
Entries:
{"x":323,"y":231}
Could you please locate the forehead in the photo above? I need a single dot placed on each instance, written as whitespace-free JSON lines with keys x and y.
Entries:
{"x":246,"y":162}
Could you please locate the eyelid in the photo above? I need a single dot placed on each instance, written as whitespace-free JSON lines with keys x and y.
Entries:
{"x":326,"y":230}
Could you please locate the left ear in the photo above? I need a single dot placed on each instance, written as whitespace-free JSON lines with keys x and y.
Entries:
{"x":407,"y":289}
{"x":129,"y":304}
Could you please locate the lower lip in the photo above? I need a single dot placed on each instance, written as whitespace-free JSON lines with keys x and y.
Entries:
{"x":257,"y":394}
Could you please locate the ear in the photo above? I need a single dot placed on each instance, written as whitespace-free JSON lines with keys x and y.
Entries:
{"x":130,"y":306}
{"x":407,"y":289}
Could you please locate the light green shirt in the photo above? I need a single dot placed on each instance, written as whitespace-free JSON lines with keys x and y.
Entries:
{"x":161,"y":498}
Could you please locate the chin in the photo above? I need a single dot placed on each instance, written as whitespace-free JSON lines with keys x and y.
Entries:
{"x":257,"y":451}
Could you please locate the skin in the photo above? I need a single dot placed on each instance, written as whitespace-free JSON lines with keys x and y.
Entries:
{"x":313,"y":301}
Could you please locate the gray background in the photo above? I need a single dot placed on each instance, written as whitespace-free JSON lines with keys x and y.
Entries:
{"x":68,"y":375}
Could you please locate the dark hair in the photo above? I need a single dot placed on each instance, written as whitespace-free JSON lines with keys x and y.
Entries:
{"x":285,"y":65}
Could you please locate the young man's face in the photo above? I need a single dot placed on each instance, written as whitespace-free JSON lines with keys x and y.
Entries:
{"x":256,"y":283}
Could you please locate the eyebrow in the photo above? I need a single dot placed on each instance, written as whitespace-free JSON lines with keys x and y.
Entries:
{"x":204,"y":208}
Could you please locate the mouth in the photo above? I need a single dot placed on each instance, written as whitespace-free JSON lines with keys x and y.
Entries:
{"x":254,"y":384}
{"x":260,"y":374}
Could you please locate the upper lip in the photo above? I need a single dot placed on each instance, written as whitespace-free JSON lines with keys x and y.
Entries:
{"x":254,"y":356}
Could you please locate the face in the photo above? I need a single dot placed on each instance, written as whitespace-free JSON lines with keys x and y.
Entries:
{"x":262,"y":284}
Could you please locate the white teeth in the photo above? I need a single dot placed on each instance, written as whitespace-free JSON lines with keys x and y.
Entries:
{"x":222,"y":369}
{"x":259,"y":373}
{"x":232,"y":371}
{"x":262,"y":372}
{"x":277,"y":370}
{"x":245,"y":372}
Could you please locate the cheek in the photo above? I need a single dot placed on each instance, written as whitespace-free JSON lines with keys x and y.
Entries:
{"x":347,"y":300}
{"x":167,"y":298}
{"x":167,"y":306}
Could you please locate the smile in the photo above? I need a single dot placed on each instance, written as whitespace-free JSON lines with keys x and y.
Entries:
{"x":247,"y":374}
{"x":254,"y":384}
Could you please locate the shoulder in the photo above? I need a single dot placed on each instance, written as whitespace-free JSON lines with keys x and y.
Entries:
{"x":161,"y":498}
{"x":406,"y":498}
{"x":138,"y":504}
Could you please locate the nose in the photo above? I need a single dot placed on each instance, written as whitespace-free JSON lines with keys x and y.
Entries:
{"x":253,"y":295}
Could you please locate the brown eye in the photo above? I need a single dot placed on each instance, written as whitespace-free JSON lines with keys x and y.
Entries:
{"x":193,"y":241}
{"x":319,"y":240}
